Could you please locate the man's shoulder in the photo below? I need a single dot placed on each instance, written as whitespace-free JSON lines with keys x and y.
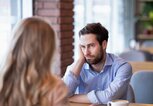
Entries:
{"x":117,"y":60}
{"x":120,"y":64}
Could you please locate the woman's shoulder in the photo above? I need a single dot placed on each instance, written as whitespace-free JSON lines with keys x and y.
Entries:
{"x":56,"y":84}
{"x":54,"y":91}
{"x":59,"y":82}
{"x":59,"y":92}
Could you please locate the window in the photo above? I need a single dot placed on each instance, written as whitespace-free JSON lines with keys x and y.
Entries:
{"x":88,"y":12}
{"x":11,"y":11}
{"x":116,"y":15}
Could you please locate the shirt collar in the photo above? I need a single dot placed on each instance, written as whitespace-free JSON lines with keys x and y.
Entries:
{"x":108,"y":62}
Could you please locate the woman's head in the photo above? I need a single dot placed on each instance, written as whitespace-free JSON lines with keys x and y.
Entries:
{"x":28,"y":64}
{"x":35,"y":43}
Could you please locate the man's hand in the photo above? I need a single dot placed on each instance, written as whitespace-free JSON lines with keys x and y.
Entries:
{"x":81,"y":55}
{"x":77,"y":65}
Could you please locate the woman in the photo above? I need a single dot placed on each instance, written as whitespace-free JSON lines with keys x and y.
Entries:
{"x":27,"y":80}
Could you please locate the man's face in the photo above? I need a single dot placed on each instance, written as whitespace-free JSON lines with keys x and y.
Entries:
{"x":92,"y":50}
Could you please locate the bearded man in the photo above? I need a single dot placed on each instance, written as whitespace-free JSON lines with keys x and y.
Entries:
{"x":96,"y":76}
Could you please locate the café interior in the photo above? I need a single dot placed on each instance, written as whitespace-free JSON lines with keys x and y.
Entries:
{"x":130,"y":26}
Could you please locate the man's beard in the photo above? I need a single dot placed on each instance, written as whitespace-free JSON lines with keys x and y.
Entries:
{"x":96,"y":60}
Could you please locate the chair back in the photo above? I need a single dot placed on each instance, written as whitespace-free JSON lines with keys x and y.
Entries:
{"x":142,"y":84}
{"x":136,"y":55}
{"x":130,"y":94}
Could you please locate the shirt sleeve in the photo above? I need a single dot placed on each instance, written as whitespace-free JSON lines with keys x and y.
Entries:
{"x":71,"y":81}
{"x":116,"y":89}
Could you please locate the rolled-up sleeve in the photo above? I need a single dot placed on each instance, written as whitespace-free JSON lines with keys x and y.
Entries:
{"x":71,"y":81}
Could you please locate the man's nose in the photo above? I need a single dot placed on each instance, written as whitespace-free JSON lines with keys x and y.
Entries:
{"x":86,"y":52}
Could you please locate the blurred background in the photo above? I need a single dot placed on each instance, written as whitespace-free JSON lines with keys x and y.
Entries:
{"x":129,"y":22}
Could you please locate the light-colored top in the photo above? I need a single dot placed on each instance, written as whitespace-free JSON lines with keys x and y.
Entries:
{"x":111,"y":83}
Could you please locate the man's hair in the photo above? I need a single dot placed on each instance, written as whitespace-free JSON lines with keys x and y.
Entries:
{"x":97,"y":29}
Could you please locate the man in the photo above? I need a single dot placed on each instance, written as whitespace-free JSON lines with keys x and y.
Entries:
{"x":96,"y":77}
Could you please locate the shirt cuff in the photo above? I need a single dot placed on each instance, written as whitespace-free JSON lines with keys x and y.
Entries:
{"x":92,"y":97}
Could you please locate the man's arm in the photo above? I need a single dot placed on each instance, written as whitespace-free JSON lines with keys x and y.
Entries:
{"x":116,"y":89}
{"x":77,"y":65}
{"x":79,"y":98}
{"x":73,"y":72}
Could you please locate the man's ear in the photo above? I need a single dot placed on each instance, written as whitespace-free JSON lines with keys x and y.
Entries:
{"x":104,"y":44}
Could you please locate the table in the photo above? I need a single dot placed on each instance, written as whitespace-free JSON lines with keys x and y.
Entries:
{"x":137,"y":66}
{"x":131,"y":104}
{"x":148,"y":49}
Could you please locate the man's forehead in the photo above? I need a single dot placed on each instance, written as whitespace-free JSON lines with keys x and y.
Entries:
{"x":87,"y":39}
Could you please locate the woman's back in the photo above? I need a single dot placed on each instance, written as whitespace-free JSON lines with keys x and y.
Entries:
{"x":27,"y":80}
{"x":50,"y":92}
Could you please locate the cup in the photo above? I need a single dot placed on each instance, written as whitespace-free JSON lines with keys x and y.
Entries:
{"x":118,"y":103}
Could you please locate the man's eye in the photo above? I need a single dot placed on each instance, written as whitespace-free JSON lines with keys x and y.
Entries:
{"x":92,"y":45}
{"x":82,"y":47}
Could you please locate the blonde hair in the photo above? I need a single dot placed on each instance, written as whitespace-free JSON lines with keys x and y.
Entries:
{"x":27,"y":77}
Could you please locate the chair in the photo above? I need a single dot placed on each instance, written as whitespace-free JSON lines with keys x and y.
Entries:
{"x":130,"y":94}
{"x":142,"y":84}
{"x":136,"y":55}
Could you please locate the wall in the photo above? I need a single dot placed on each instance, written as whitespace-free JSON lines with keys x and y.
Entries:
{"x":60,"y":15}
